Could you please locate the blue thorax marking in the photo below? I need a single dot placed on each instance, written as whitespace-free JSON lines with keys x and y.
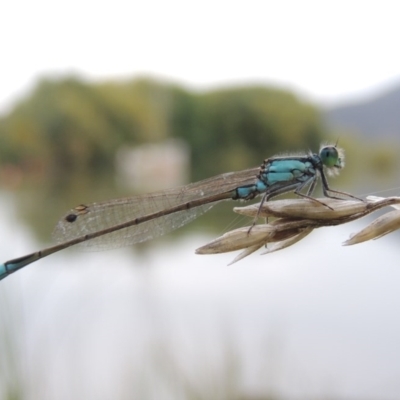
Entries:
{"x":280,"y":172}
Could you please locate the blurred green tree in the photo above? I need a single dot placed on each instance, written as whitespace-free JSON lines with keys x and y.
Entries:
{"x":68,"y":127}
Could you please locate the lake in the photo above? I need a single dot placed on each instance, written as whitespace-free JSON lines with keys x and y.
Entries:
{"x":317,"y":320}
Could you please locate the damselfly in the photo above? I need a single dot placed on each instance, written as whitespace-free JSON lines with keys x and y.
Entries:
{"x":126,"y":221}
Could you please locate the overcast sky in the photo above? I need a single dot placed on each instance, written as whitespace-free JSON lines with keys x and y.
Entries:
{"x":326,"y":51}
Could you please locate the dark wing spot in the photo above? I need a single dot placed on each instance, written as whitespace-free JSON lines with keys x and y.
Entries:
{"x":71,"y":217}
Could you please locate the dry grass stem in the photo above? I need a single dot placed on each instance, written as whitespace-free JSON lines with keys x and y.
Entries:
{"x":294,"y":219}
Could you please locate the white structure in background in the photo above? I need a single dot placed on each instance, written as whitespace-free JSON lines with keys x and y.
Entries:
{"x":155,"y":166}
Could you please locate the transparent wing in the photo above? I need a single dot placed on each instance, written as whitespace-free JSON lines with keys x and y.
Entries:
{"x":95,"y":217}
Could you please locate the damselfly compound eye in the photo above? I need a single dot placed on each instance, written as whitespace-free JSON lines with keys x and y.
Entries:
{"x":330,"y":157}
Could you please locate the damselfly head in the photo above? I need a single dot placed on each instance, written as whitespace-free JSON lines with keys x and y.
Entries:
{"x":332,"y":157}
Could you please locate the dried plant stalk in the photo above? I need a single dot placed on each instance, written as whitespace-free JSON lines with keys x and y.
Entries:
{"x":294,"y":219}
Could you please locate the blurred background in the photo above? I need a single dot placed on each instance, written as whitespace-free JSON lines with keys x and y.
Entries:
{"x":101,"y":100}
